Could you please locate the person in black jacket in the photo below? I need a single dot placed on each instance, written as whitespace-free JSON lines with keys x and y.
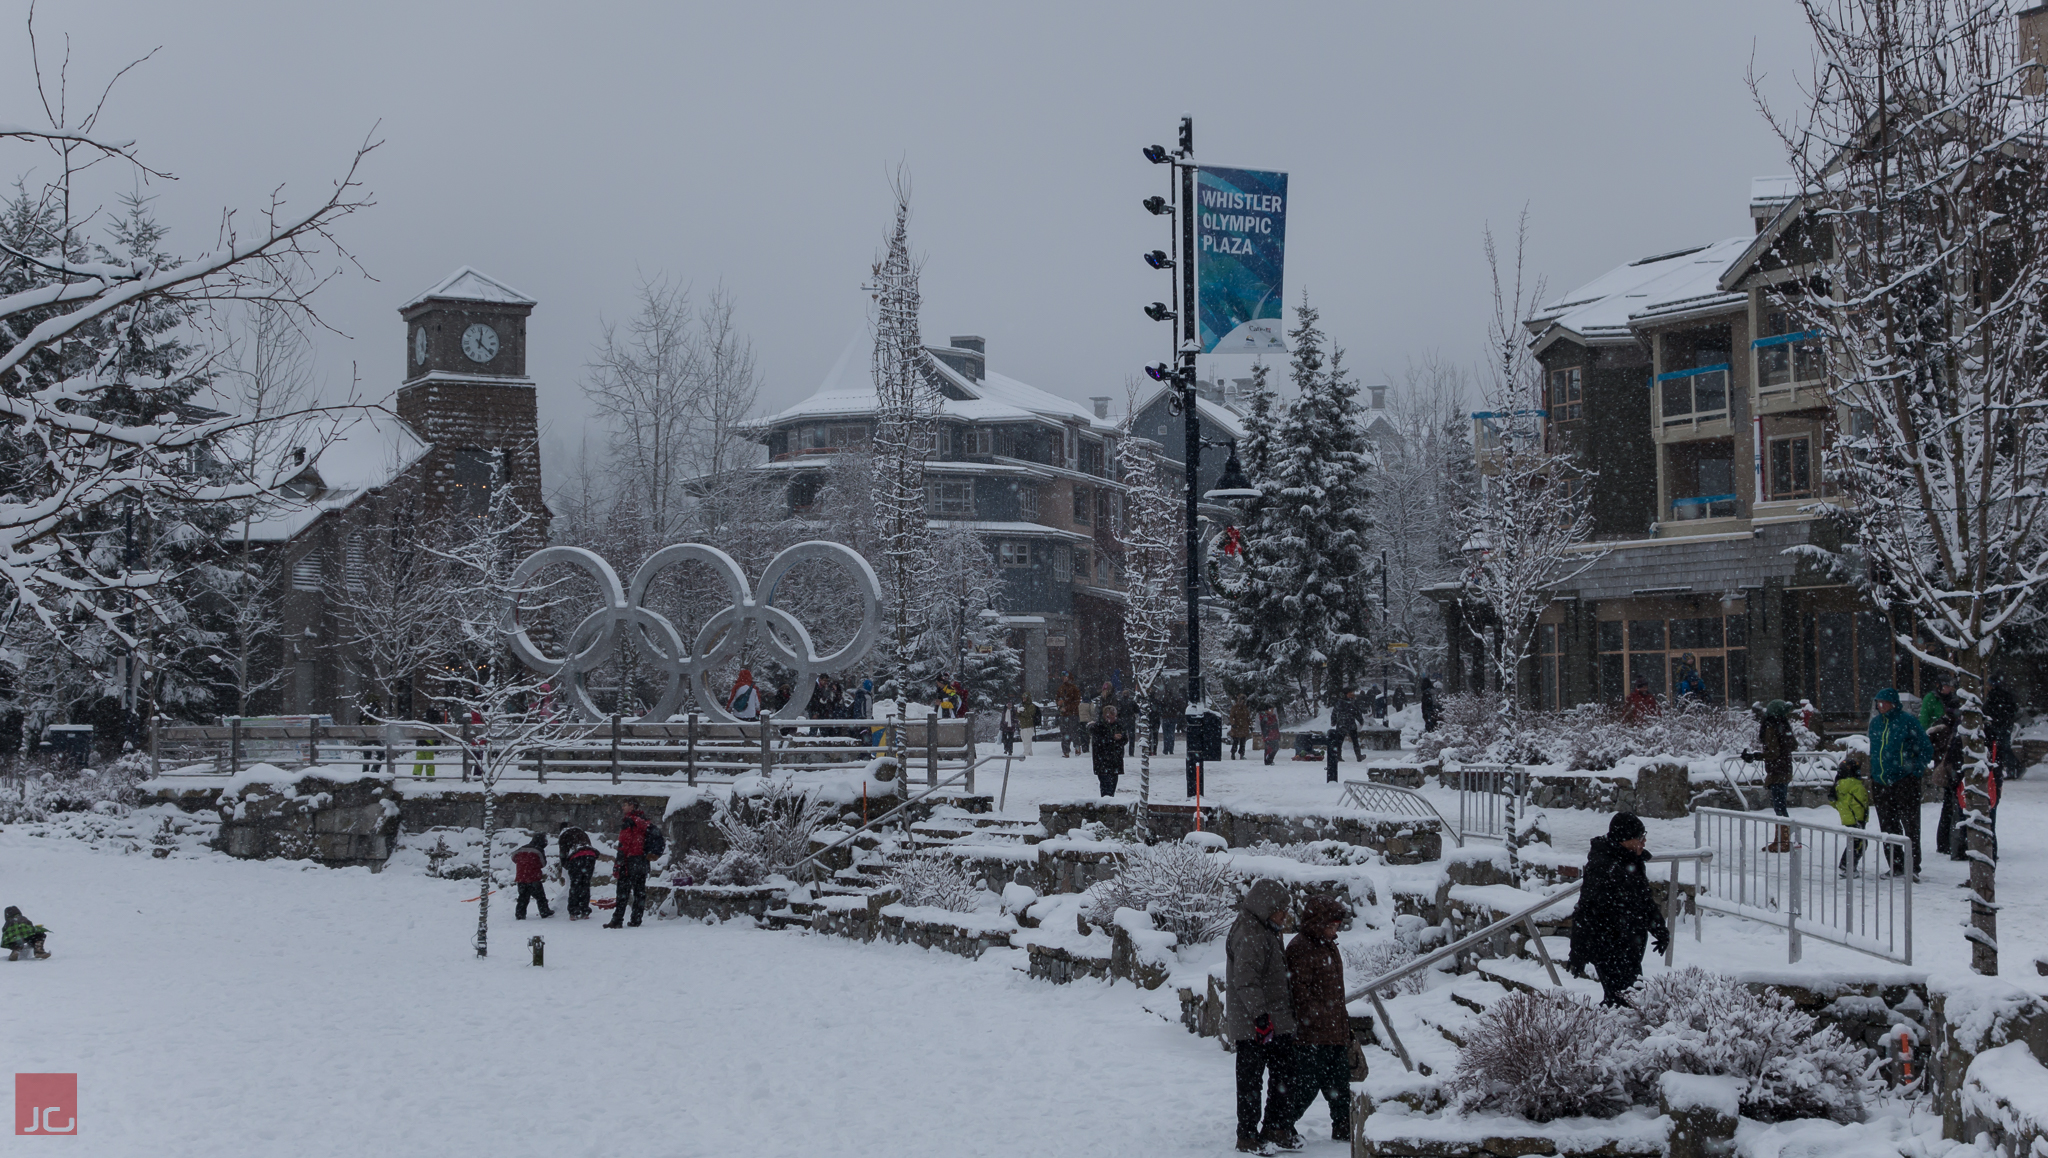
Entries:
{"x":579,"y":863}
{"x":1616,"y":913}
{"x":1106,"y":739}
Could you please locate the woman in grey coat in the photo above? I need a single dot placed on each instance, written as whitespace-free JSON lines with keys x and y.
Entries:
{"x":1258,"y":1016}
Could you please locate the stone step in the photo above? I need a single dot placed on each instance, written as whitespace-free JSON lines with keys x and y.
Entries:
{"x":787,"y":918}
{"x":1477,"y":996}
{"x":1528,"y":975}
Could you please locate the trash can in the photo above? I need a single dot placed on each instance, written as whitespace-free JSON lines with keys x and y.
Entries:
{"x":69,"y":744}
{"x":1205,"y":736}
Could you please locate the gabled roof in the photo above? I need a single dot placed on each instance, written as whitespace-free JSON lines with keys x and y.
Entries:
{"x":1661,"y":287}
{"x":370,"y":451}
{"x":848,"y":391}
{"x":1223,"y":416}
{"x":469,"y":285}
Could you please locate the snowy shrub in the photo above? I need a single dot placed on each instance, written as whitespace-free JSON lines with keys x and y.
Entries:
{"x":929,"y":880}
{"x":764,"y":835}
{"x":38,"y":789}
{"x":1188,"y":892}
{"x":1318,"y":852}
{"x":1696,"y":1022}
{"x":1547,"y":1055}
{"x":1584,"y":737}
{"x":1364,"y":962}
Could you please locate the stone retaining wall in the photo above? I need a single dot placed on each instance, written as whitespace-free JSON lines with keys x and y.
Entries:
{"x":1403,"y":839}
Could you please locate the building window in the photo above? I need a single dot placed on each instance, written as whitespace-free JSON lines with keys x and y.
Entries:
{"x":356,"y":563}
{"x":1547,"y":694}
{"x":1084,"y":505}
{"x":1091,"y":456}
{"x":1014,"y":553}
{"x":1567,"y":390}
{"x":1104,"y":509}
{"x":470,"y":472}
{"x":1693,"y":396}
{"x":1083,"y":557}
{"x":950,"y":498}
{"x":306,"y":571}
{"x":1062,"y":564}
{"x":1027,"y":500}
{"x":1791,"y":468}
{"x":1706,"y":657}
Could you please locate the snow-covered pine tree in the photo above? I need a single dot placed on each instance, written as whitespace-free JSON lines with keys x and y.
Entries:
{"x":1425,"y":480}
{"x":1922,"y":154}
{"x":1304,"y":610}
{"x":1532,"y":510}
{"x":905,"y":404}
{"x":1150,"y":533}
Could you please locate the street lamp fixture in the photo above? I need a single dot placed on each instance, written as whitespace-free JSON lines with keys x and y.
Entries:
{"x":1157,"y":259}
{"x":1159,"y":372}
{"x":1158,"y":312}
{"x":1157,"y":154}
{"x":1233,"y":487}
{"x":1157,"y":206}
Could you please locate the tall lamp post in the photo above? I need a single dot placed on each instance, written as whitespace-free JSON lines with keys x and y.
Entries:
{"x":1180,"y":375}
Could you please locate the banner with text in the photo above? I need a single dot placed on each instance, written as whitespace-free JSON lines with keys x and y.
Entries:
{"x":1241,"y":239}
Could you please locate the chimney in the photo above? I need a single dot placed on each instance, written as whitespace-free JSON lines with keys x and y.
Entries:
{"x":1101,"y":406}
{"x":1379,"y":397}
{"x":2033,"y":32}
{"x":967,"y":353}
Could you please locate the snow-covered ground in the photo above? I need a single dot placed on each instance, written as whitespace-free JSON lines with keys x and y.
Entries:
{"x":269,"y":1007}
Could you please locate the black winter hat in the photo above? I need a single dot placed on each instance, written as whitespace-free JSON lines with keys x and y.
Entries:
{"x":1625,"y":826}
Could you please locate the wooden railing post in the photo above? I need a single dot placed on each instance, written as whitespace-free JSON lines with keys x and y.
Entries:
{"x":313,"y":741}
{"x":931,"y":749}
{"x":156,"y":764}
{"x":615,"y":747}
{"x":392,"y":735}
{"x":235,"y":746}
{"x":767,"y":726}
{"x":690,"y":759}
{"x":465,"y":749}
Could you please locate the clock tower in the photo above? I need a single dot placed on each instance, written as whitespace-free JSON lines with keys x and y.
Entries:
{"x":466,"y":392}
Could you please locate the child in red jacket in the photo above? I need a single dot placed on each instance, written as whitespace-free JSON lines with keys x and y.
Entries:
{"x":527,"y":864}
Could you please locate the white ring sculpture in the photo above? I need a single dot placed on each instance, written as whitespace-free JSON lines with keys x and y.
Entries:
{"x":721,"y":639}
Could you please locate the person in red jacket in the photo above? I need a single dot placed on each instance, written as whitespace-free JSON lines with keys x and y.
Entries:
{"x":527,"y":864}
{"x":629,"y":874}
{"x":579,"y":863}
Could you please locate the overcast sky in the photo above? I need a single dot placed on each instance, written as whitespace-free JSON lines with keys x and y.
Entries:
{"x":570,"y":148}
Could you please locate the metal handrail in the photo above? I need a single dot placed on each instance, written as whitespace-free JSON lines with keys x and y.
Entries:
{"x":850,"y":834}
{"x":1371,"y":989}
{"x":1355,"y":793}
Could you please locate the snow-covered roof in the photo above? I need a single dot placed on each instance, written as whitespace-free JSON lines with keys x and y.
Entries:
{"x":848,"y":391}
{"x":470,"y":285}
{"x":370,"y":451}
{"x":1230,"y":420}
{"x":1660,"y":287}
{"x":1772,"y":192}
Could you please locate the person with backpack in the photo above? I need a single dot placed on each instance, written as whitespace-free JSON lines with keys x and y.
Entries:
{"x":1322,"y":1033}
{"x":1108,"y":738}
{"x":527,"y":865}
{"x":744,"y":701}
{"x":1899,"y":753}
{"x":1775,"y":744}
{"x":1616,"y":912}
{"x":579,"y":863}
{"x":18,"y":933}
{"x":629,"y":874}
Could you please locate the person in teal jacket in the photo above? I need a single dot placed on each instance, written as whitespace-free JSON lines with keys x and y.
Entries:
{"x":1899,"y":753}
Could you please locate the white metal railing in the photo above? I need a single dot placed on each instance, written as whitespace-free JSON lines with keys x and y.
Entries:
{"x":1375,"y":797}
{"x":1847,"y":886}
{"x":1526,"y":919}
{"x":1490,"y":797}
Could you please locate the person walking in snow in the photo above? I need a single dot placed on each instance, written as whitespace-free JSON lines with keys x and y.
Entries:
{"x":1616,"y":912}
{"x":1345,"y":717}
{"x":1432,"y":712}
{"x":1269,"y":733}
{"x":1775,"y":743}
{"x":18,"y":934}
{"x":1069,"y":700}
{"x":1939,"y":715}
{"x":1640,"y":704}
{"x":579,"y":864}
{"x":1258,"y":1017}
{"x":1006,"y":727}
{"x":1107,"y":738}
{"x":629,"y":873}
{"x":528,"y":863}
{"x":1851,"y":799}
{"x":1899,"y":753}
{"x":1240,"y":726}
{"x":1322,"y":1034}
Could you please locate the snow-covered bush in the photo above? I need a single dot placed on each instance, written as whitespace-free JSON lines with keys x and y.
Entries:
{"x":929,"y":880}
{"x":1584,"y":737}
{"x":1318,"y":852}
{"x":764,"y":835}
{"x":1364,"y":962}
{"x":1696,"y":1022}
{"x":37,"y":789}
{"x":1189,"y":892}
{"x":1547,"y":1055}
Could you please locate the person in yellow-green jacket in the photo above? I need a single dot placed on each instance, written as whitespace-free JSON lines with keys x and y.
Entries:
{"x":1851,"y":798}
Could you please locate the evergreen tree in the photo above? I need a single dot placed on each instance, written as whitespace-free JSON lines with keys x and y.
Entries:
{"x":1303,"y":605}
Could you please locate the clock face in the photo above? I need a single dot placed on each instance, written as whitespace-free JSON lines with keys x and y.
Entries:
{"x":419,"y":345}
{"x":480,"y":342}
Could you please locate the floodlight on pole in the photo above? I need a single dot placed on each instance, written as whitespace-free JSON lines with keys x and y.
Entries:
{"x":1157,"y":259}
{"x":1158,"y":312}
{"x":1156,"y":206}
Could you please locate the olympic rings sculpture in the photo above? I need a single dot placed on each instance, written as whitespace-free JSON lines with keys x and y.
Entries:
{"x":721,"y":639}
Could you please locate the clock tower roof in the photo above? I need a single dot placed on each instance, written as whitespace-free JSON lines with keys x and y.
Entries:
{"x":470,"y":285}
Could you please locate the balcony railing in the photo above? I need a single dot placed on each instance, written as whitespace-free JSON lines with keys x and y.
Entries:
{"x":1703,"y":507}
{"x":1690,"y":397}
{"x":1787,"y":364}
